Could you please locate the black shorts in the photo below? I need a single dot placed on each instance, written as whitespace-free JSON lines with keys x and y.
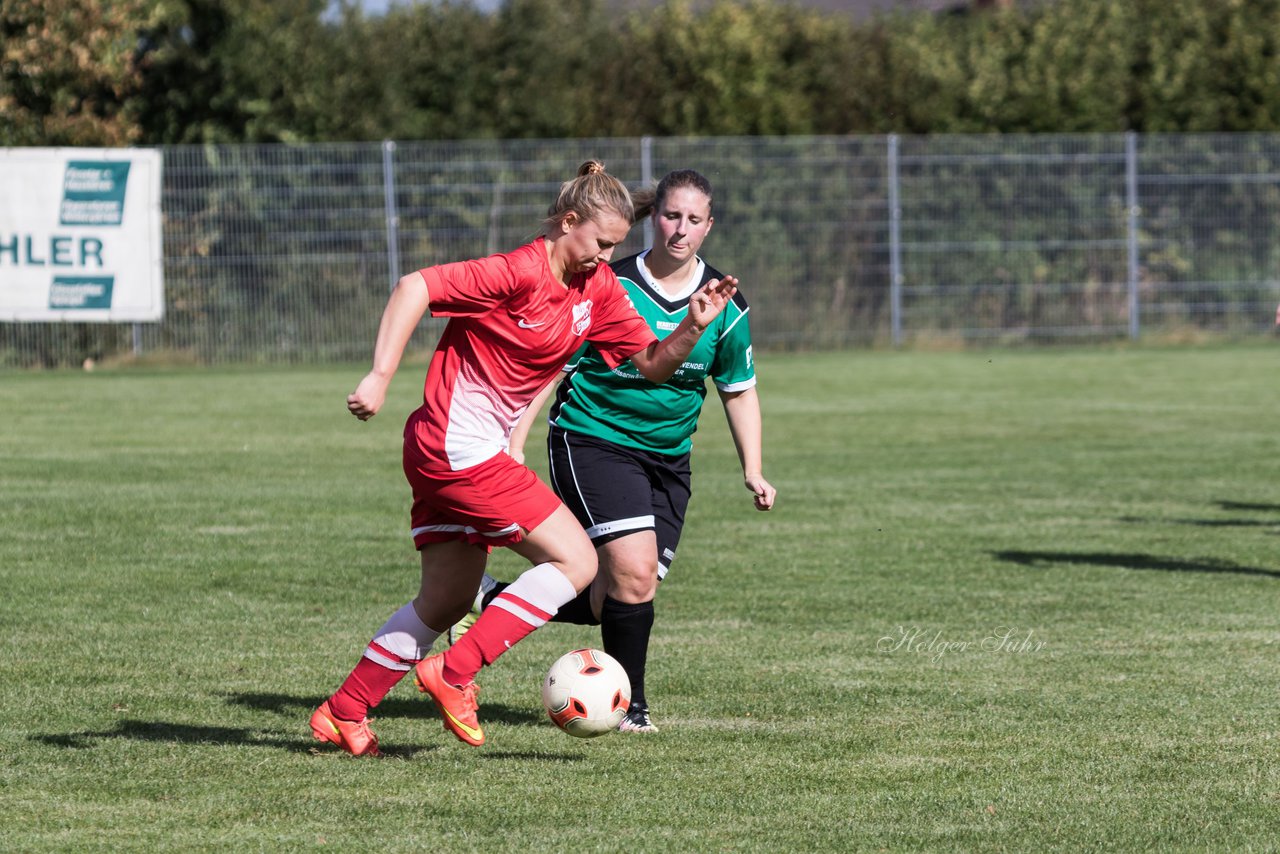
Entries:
{"x":615,"y":490}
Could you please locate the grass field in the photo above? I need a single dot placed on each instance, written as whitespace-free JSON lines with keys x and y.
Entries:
{"x":1013,"y":600}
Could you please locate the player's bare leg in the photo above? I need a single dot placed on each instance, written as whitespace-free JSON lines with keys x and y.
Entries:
{"x":451,"y":572}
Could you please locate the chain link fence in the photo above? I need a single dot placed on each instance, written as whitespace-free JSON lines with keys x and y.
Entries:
{"x":286,"y":253}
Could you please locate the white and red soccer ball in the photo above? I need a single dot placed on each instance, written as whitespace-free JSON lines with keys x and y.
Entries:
{"x":586,"y":693}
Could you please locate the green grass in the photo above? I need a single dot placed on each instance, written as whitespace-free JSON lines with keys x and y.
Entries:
{"x":193,"y":559}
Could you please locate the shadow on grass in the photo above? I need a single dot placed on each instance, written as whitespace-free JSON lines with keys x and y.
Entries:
{"x":1205,"y":523}
{"x":1229,"y":506}
{"x":167,"y":732}
{"x":1248,"y":507}
{"x":1133,"y":561}
{"x":293,"y":705}
{"x":299,"y":709}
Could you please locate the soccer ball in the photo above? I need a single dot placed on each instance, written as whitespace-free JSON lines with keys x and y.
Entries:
{"x":586,"y":693}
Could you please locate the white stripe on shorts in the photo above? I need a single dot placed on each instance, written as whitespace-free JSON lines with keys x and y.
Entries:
{"x":463,"y":529}
{"x":635,"y":523}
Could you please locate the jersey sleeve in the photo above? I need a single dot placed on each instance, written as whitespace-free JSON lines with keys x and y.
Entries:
{"x":734,"y":368}
{"x":617,"y":330}
{"x":468,"y":288}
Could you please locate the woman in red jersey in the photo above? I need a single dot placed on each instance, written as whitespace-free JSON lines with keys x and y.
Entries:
{"x":515,"y":318}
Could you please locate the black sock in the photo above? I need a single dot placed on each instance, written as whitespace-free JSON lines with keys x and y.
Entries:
{"x":487,"y":599}
{"x":624,"y":629}
{"x":577,"y":610}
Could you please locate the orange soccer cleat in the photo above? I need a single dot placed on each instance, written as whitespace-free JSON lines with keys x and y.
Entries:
{"x":355,"y":737}
{"x":458,"y":706}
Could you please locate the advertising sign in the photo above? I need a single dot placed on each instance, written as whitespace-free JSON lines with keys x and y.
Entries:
{"x":80,"y":235}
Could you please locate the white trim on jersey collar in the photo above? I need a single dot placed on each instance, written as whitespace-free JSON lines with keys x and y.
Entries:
{"x":684,"y":293}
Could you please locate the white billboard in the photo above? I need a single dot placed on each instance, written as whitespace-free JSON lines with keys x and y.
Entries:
{"x":80,"y":234}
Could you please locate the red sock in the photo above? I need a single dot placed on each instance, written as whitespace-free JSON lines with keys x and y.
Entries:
{"x":368,"y":683}
{"x":500,"y":627}
{"x":522,"y":606}
{"x":394,"y":650}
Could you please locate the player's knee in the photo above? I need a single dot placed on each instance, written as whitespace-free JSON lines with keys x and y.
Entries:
{"x":633,"y":581}
{"x":439,"y":610}
{"x":578,"y":563}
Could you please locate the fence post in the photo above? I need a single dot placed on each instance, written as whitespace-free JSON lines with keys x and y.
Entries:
{"x":646,"y":178}
{"x":895,"y":243}
{"x":1131,"y":201}
{"x":493,"y":245}
{"x":393,"y":218}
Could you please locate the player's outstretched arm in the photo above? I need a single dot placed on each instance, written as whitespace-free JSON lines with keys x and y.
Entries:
{"x":660,"y":359}
{"x":742,"y":411}
{"x":408,"y":303}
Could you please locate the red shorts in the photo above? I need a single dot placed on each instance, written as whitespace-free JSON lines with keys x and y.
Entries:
{"x":489,"y":504}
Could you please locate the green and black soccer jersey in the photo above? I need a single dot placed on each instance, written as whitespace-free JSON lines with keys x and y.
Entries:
{"x":619,"y":405}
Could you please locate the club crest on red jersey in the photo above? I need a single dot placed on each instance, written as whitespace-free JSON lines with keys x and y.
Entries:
{"x":581,"y":317}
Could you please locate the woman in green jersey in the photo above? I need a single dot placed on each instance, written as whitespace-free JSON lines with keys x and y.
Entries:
{"x":619,"y":444}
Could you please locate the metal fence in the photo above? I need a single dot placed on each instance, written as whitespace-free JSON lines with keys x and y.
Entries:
{"x":286,"y":253}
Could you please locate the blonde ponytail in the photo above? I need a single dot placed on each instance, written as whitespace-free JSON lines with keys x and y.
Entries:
{"x":592,"y":193}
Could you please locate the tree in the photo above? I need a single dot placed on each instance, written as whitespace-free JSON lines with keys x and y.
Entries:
{"x":240,"y":71}
{"x":547,"y":57}
{"x":70,"y":70}
{"x":440,"y":69}
{"x":735,"y":68}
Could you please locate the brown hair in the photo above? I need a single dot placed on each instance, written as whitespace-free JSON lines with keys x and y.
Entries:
{"x":593,"y":193}
{"x":681,"y":178}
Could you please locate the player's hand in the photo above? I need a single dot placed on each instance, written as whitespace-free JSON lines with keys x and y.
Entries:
{"x":711,"y":299}
{"x":516,"y":454}
{"x":762,"y":490}
{"x":369,"y":396}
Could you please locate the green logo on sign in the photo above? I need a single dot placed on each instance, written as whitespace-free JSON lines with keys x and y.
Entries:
{"x":81,"y":292}
{"x":93,"y":192}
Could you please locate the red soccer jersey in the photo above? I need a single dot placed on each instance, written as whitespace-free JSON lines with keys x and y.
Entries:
{"x":512,"y":327}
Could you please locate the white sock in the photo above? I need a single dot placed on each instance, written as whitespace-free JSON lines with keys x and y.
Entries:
{"x":542,"y":586}
{"x":403,"y":640}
